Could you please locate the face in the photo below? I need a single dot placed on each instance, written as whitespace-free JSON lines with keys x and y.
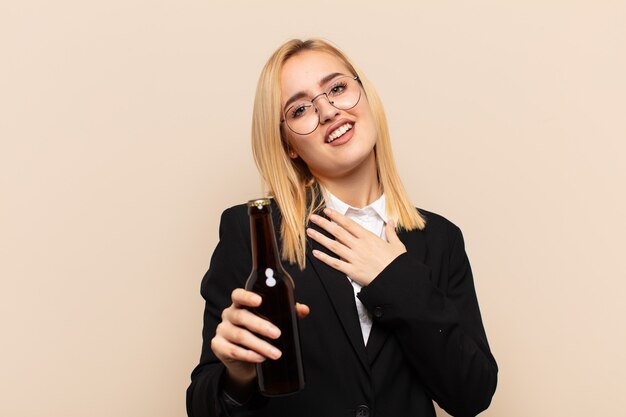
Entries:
{"x":343,"y":142}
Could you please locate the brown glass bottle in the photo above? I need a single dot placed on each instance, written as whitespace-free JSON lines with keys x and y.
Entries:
{"x":268,"y":279}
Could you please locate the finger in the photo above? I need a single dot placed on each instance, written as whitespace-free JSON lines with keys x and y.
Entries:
{"x":334,"y":229}
{"x":226,"y":350}
{"x":338,"y":264}
{"x":242,"y":317}
{"x":244,"y":338}
{"x":334,"y":246}
{"x":302,"y":310}
{"x":346,"y":222}
{"x":241,"y":297}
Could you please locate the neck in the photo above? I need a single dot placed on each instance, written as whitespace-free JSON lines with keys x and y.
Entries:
{"x":359,"y":188}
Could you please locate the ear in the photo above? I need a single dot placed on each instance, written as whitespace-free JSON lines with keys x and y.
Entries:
{"x":290,"y":151}
{"x":287,"y":146}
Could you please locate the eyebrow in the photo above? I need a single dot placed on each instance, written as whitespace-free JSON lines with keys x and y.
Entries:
{"x":302,"y":94}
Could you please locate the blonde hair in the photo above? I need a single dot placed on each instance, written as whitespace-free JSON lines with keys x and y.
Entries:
{"x":290,"y":182}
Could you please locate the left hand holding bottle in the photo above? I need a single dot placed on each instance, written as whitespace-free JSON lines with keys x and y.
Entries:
{"x":362,"y":254}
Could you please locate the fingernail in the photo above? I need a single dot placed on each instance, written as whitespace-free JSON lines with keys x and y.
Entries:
{"x":328,"y":211}
{"x":274,"y":332}
{"x":310,"y":232}
{"x":314,"y":218}
{"x":275,"y":353}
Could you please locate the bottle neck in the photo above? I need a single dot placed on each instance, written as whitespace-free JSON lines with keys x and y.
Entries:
{"x":264,"y":246}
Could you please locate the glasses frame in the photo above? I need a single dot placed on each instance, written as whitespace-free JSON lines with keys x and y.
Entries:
{"x":353,"y":77}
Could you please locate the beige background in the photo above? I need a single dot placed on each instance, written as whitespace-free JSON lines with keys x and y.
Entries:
{"x":124,"y":128}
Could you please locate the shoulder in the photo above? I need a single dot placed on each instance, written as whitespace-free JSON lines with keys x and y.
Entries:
{"x":436,"y":223}
{"x":235,"y":212}
{"x":440,"y":230}
{"x":234,"y":223}
{"x":231,"y":259}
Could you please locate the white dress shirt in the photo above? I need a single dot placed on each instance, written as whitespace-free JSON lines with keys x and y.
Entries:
{"x":374,"y":219}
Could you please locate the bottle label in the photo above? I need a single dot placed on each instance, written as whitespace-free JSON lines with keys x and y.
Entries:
{"x":270,"y":281}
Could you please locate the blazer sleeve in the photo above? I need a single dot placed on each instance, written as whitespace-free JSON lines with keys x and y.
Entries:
{"x":229,"y":268}
{"x":437,"y":321}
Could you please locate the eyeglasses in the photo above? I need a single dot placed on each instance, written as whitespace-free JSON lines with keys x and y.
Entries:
{"x":303,"y":116}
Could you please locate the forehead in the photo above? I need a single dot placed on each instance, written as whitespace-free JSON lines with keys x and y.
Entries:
{"x":303,"y":71}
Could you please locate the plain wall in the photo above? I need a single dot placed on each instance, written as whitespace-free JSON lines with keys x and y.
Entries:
{"x":124,"y":129}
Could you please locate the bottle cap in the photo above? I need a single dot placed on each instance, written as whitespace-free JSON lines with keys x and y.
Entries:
{"x":259,"y":202}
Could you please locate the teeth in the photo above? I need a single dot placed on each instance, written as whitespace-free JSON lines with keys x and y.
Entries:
{"x":337,"y":133}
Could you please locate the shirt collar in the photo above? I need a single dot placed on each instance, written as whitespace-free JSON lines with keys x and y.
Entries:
{"x":379,"y":206}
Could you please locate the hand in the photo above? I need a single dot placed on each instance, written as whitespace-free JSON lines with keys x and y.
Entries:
{"x":362,"y":254}
{"x":237,"y":343}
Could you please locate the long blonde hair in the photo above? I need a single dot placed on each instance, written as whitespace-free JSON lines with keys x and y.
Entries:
{"x":289,"y":181}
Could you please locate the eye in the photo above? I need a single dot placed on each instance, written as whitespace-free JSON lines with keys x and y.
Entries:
{"x":298,"y":110}
{"x":338,"y":88}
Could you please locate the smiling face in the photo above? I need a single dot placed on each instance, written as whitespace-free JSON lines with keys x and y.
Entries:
{"x":343,"y":142}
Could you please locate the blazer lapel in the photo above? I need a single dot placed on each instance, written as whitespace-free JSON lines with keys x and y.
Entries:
{"x":341,"y":294}
{"x":416,"y":246}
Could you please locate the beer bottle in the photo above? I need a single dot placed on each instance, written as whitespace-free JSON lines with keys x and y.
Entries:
{"x":276,"y":288}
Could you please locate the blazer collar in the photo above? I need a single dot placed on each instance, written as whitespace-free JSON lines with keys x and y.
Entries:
{"x":341,"y":294}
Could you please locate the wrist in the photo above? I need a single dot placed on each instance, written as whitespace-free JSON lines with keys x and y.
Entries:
{"x":240,"y":390}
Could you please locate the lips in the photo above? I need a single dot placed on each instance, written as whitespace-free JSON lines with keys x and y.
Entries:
{"x":337,"y":130}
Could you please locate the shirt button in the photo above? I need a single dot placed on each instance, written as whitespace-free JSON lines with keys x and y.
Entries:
{"x":362,"y":411}
{"x":378,"y":312}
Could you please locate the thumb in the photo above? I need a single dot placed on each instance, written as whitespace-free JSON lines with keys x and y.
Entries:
{"x":302,"y":310}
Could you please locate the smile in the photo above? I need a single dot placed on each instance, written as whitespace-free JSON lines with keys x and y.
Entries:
{"x":340,"y":131}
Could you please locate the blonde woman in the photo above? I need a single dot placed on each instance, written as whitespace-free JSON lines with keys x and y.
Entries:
{"x":392,"y":319}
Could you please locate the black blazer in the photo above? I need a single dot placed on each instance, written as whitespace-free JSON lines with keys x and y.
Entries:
{"x":427,"y":340}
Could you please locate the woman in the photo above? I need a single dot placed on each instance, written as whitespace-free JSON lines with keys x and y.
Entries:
{"x":394,"y":321}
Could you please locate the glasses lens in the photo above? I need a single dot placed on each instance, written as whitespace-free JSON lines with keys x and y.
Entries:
{"x":343,"y":93}
{"x":302,"y":117}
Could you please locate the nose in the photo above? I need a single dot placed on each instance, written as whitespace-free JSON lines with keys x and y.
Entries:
{"x":326,"y":110}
